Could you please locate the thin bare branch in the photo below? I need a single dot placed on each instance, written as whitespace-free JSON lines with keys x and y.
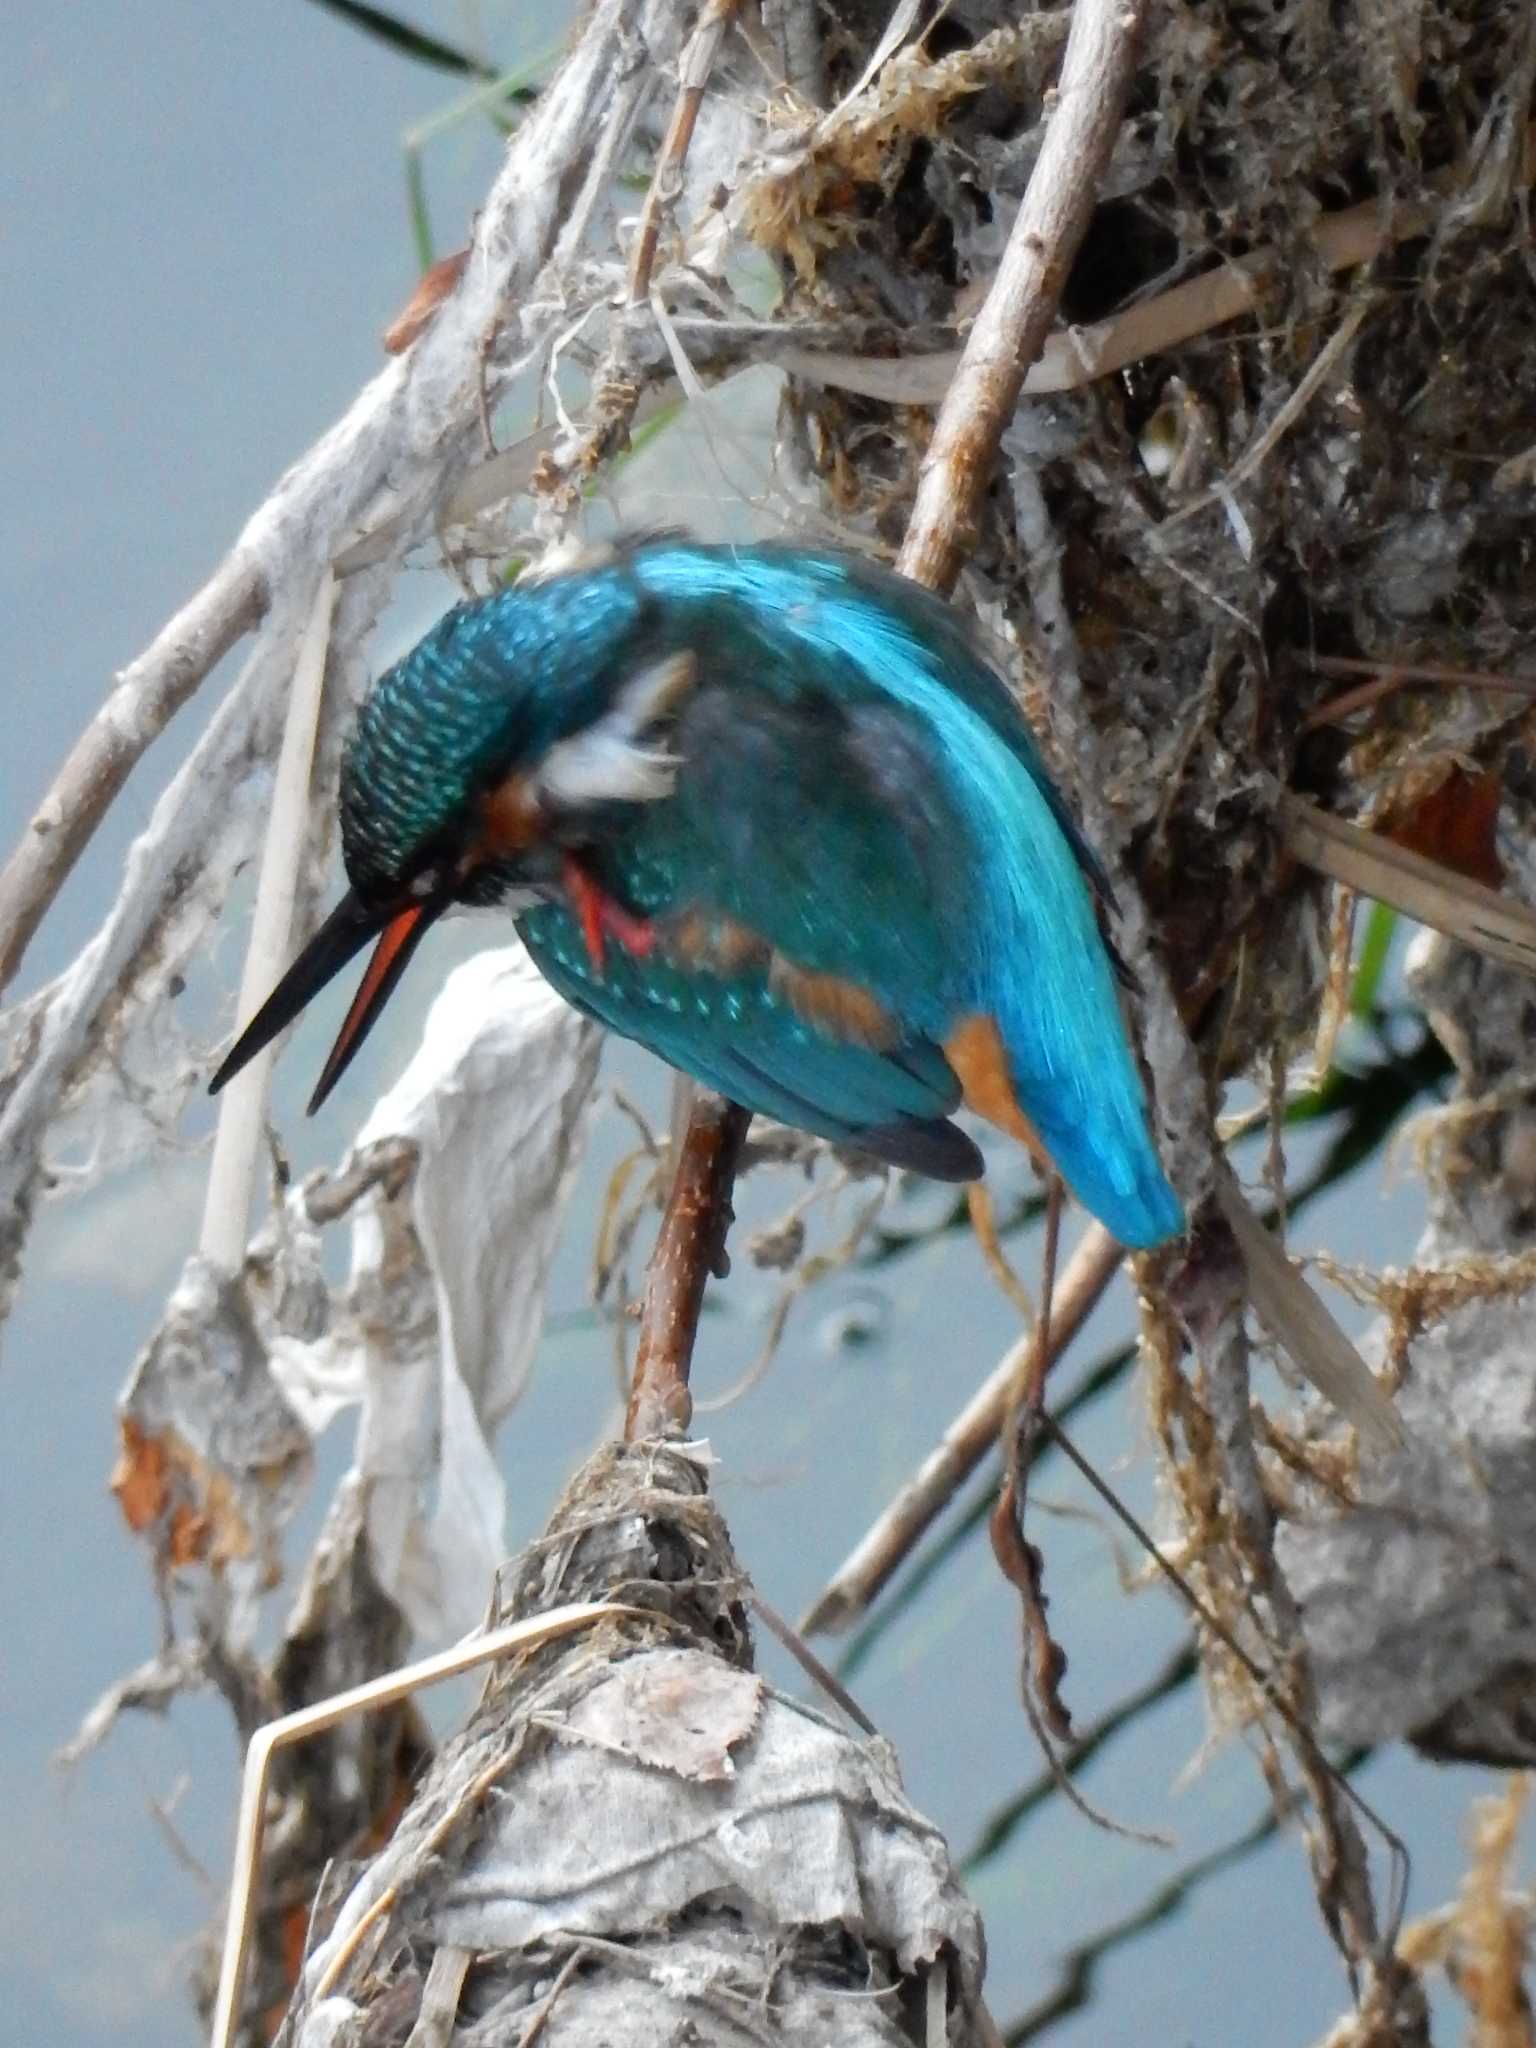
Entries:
{"x":689,"y":1247}
{"x":145,"y":698}
{"x":973,"y":1433}
{"x":1012,"y":326}
{"x":698,"y":61}
{"x":810,"y":1663}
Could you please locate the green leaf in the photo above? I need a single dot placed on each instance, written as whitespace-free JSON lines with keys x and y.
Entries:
{"x":416,"y":202}
{"x":1380,"y":929}
{"x":409,"y":41}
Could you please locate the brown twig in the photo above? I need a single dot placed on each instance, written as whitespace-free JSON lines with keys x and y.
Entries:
{"x":146,"y":697}
{"x":810,"y":1663}
{"x":1208,"y":1294}
{"x":693,"y":76}
{"x":962,"y":1447}
{"x":1011,"y":328}
{"x":1045,"y":1661}
{"x":690,"y":1246}
{"x":1266,"y":1681}
{"x":1387,"y":676}
{"x":983,"y":1215}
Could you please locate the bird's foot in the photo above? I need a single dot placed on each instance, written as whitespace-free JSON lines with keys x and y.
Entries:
{"x":602,"y":918}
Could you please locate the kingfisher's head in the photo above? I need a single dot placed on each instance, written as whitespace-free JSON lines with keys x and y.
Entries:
{"x":519,"y":729}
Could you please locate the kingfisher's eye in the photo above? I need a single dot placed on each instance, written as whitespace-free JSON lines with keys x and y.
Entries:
{"x":427,"y":883}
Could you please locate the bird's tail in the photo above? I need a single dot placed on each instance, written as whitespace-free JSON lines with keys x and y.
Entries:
{"x":1096,"y":1128}
{"x":1058,"y":1006}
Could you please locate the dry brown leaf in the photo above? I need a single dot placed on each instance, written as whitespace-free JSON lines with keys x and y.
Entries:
{"x":1455,"y":825}
{"x":674,"y":1710}
{"x":436,"y":283}
{"x":138,"y":1478}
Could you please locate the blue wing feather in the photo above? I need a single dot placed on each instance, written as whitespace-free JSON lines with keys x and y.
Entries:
{"x":1001,"y":918}
{"x":742,"y":1038}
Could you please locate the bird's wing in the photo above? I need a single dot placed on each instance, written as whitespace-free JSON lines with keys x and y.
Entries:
{"x":822,"y":828}
{"x":864,"y":794}
{"x":740,"y":1034}
{"x":796,"y":884}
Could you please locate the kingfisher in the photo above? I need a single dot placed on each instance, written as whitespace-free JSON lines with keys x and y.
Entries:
{"x":769,"y":811}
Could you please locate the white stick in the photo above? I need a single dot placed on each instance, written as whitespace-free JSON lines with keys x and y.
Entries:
{"x":227,"y":1206}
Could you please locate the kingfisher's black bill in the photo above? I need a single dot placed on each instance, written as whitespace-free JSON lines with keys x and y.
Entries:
{"x":350,"y":927}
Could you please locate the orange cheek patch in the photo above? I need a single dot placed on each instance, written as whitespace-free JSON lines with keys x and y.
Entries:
{"x":511,"y":821}
{"x":511,"y":817}
{"x":976,"y":1052}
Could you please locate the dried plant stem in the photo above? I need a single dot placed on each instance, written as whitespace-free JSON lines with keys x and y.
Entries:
{"x":237,"y":1140}
{"x":689,"y":1247}
{"x":1385,"y":675}
{"x":983,"y":1215}
{"x":551,"y":1998}
{"x":1012,"y":326}
{"x":697,"y":62}
{"x":810,"y":1663}
{"x":145,"y":698}
{"x":1265,"y":1681}
{"x":1045,"y":1662}
{"x":314,"y":1720}
{"x":962,"y":1447}
{"x":1209,"y":1295}
{"x":440,"y":1997}
{"x":1489,"y":921}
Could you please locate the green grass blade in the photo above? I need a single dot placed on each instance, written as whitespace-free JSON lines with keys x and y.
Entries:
{"x":408,"y":41}
{"x":1380,"y":930}
{"x":416,"y":203}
